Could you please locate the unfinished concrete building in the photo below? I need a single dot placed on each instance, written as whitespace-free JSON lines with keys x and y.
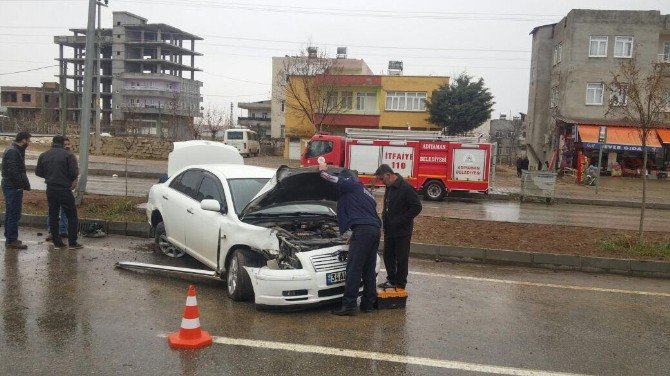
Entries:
{"x":145,"y":73}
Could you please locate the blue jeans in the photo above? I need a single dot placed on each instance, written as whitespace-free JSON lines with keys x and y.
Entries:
{"x":361,"y":263}
{"x":62,"y":223}
{"x":13,"y":205}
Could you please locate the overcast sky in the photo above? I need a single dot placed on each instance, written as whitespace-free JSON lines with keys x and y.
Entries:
{"x":487,"y":39}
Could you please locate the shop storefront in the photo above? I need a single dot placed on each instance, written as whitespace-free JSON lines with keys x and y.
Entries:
{"x":622,"y":150}
{"x":664,"y":137}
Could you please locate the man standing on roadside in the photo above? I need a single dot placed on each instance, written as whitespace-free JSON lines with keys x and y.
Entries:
{"x":59,"y":169}
{"x":401,"y":206}
{"x":62,"y":222}
{"x":14,"y":182}
{"x":357,"y":210}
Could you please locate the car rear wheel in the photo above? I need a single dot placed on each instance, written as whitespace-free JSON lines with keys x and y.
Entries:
{"x":164,"y":245}
{"x":434,"y":191}
{"x":238,"y":281}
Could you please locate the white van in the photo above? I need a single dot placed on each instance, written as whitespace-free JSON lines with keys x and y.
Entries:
{"x":245,"y":140}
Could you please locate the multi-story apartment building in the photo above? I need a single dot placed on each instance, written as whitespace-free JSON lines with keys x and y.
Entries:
{"x":258,"y":117}
{"x":572,"y":64}
{"x":367,"y":101}
{"x":35,"y":105}
{"x":341,"y":64}
{"x":146,"y":72}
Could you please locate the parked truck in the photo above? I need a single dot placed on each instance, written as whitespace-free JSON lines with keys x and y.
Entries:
{"x":433,"y":163}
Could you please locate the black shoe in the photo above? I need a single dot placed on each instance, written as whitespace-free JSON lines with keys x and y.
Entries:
{"x":367,"y":308}
{"x":59,"y":245}
{"x":76,"y":246}
{"x":16,"y":244}
{"x":49,"y":238}
{"x":344,"y":311}
{"x":386,"y":285}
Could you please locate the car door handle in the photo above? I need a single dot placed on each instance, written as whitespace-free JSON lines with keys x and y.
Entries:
{"x":165,"y":197}
{"x":190,"y":210}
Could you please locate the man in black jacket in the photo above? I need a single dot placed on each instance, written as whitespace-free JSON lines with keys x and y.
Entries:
{"x":401,"y":205}
{"x":59,"y":169}
{"x":14,"y":182}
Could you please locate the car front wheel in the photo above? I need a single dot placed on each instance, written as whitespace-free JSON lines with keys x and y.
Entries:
{"x":164,"y":245}
{"x":238,"y":281}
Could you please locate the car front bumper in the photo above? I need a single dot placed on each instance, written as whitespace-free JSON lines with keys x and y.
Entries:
{"x":298,"y":287}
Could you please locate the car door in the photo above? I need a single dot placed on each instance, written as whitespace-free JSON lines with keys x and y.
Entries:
{"x":203,"y":227}
{"x":179,"y":198}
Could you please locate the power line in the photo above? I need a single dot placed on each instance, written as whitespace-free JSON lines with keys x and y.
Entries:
{"x":28,"y":70}
{"x":376,"y":13}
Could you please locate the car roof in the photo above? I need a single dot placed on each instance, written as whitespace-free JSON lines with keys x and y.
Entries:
{"x":234,"y":171}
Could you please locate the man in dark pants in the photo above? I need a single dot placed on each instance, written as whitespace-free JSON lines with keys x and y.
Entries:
{"x":401,"y":205}
{"x":14,"y":182}
{"x":357,"y":210}
{"x":59,"y":169}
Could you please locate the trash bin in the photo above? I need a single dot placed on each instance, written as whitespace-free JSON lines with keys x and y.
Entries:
{"x":539,"y":184}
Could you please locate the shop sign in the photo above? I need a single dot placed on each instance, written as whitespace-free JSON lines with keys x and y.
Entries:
{"x":612,"y":147}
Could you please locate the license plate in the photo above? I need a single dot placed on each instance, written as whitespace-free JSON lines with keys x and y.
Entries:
{"x":335,"y":277}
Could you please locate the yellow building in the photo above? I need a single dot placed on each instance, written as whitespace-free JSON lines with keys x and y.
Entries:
{"x":357,"y":101}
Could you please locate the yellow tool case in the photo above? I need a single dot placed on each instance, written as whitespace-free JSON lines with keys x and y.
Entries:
{"x":391,"y":298}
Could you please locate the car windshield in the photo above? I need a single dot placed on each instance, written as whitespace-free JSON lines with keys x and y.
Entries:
{"x":235,"y":136}
{"x":243,"y":190}
{"x":303,"y":209}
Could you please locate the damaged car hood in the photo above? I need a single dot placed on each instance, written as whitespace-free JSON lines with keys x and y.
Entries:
{"x":295,"y":186}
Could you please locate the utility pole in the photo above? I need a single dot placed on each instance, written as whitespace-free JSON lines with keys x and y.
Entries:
{"x":602,"y":139}
{"x":98,"y":65}
{"x":85,"y":125}
{"x":231,"y":115}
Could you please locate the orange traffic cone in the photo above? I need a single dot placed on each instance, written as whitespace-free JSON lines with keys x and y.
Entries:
{"x":189,"y":335}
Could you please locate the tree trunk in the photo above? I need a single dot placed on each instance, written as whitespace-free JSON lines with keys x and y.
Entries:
{"x":640,"y":232}
{"x":126,"y":174}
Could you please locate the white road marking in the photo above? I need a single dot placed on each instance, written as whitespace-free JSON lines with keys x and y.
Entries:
{"x":386,"y":357}
{"x":536,"y":284}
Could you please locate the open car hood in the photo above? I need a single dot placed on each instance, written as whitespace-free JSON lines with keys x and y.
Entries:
{"x":295,"y":186}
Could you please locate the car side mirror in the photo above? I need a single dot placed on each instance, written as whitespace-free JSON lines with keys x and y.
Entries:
{"x":210,"y":205}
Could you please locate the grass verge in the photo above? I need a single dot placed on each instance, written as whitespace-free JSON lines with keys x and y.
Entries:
{"x":630,"y":245}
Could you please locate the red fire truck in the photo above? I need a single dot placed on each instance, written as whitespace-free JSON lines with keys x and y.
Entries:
{"x":434,"y":164}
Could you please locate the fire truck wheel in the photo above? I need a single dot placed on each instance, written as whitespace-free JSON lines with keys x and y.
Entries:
{"x":434,"y":191}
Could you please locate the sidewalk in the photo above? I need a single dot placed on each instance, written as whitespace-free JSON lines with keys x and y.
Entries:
{"x":613,"y":191}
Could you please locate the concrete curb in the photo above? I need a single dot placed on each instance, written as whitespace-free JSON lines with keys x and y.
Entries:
{"x":566,"y":200}
{"x":553,"y":261}
{"x":137,"y":229}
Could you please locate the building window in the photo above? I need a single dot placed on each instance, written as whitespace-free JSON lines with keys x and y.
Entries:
{"x":598,"y":46}
{"x":665,"y":58}
{"x":623,"y":47}
{"x":405,"y":101}
{"x":594,"y":94}
{"x":347,"y":100}
{"x":118,"y":23}
{"x":332,"y":100}
{"x":366,"y":102}
{"x":618,"y":96}
{"x":553,"y":99}
{"x":283,"y":103}
{"x":46,"y":99}
{"x":118,"y":53}
{"x":25,"y":98}
{"x":558,"y":53}
{"x":265,"y":115}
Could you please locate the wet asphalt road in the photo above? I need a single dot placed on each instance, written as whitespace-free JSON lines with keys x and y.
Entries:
{"x":72,"y":312}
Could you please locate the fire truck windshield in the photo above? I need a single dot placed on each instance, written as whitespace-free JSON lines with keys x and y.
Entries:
{"x":319,"y":147}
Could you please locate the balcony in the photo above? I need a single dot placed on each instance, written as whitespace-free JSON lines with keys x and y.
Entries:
{"x":349,"y":120}
{"x":664,"y":58}
{"x":242,"y":118}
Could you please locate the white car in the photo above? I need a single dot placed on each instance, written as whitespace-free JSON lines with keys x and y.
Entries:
{"x":272,"y":236}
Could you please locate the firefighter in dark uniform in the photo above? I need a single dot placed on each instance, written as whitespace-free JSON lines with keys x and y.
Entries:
{"x":401,"y":206}
{"x":357,"y":210}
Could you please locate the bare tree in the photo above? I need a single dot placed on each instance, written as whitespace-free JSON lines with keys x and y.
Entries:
{"x":638,"y":94}
{"x":212,"y":122}
{"x":310,"y":84}
{"x":129,"y":130}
